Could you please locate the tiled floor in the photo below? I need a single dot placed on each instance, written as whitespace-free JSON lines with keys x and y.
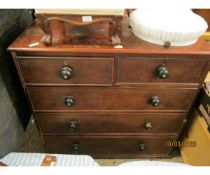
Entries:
{"x":32,"y":143}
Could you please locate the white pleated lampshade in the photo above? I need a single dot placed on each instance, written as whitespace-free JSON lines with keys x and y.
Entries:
{"x":180,"y":27}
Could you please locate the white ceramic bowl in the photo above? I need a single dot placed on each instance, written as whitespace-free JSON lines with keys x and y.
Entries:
{"x":180,"y":27}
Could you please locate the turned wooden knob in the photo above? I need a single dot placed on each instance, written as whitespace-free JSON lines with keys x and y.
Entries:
{"x":69,"y":101}
{"x":155,"y":101}
{"x":66,"y":73}
{"x":148,"y":126}
{"x":75,"y":147}
{"x":162,"y":72}
{"x":142,"y":147}
{"x":73,"y":125}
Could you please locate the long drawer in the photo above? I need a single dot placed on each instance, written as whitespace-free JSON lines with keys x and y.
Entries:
{"x":158,"y":70}
{"x":67,"y":71}
{"x":109,"y":147}
{"x":89,"y":123}
{"x":109,"y":98}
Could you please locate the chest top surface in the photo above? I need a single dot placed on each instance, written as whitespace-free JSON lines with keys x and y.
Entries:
{"x":30,"y":41}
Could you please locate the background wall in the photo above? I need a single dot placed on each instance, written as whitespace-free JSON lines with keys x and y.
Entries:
{"x":14,"y":110}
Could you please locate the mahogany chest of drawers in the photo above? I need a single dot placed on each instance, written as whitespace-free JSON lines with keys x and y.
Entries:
{"x":110,"y":102}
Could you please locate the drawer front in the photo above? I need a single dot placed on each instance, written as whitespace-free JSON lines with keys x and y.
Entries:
{"x":151,"y":70}
{"x":110,"y":147}
{"x":87,"y":123}
{"x":108,"y":98}
{"x":67,"y":70}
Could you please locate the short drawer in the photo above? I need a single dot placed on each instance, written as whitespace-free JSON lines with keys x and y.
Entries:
{"x":109,"y":98}
{"x":89,"y":123}
{"x":155,"y":70}
{"x":42,"y":70}
{"x":109,"y":147}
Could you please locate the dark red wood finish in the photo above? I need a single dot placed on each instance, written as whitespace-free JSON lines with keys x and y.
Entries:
{"x":86,"y":71}
{"x":63,"y":29}
{"x":112,"y":89}
{"x":108,"y":98}
{"x":110,"y":123}
{"x":122,"y":147}
{"x":132,"y":46}
{"x":144,"y":70}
